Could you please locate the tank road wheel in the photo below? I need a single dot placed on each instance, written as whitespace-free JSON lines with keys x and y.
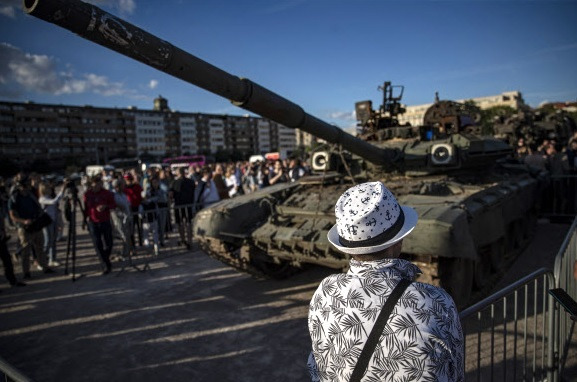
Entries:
{"x":497,"y":255}
{"x":272,"y":267}
{"x":515,"y":236}
{"x":456,"y":277}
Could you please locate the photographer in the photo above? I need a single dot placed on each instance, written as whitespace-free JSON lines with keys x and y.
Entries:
{"x":24,"y":209}
{"x":97,"y":203}
{"x":49,"y":203}
{"x":279,"y":174}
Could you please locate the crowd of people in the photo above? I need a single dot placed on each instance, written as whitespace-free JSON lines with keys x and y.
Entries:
{"x":559,"y":159}
{"x":135,"y":208}
{"x":140,"y":209}
{"x":551,"y":154}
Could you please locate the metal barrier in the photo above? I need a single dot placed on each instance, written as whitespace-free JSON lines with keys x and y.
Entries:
{"x":9,"y":373}
{"x":507,"y":335}
{"x":565,"y":278}
{"x":520,"y":333}
{"x":150,"y":227}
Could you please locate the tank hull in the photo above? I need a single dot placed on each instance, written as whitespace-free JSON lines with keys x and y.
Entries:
{"x":466,"y":235}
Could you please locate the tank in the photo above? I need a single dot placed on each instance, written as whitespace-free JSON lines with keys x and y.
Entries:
{"x":535,"y":127}
{"x":476,"y":206}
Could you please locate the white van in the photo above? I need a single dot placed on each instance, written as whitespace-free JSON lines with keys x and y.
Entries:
{"x":256,"y":158}
{"x":97,"y":169}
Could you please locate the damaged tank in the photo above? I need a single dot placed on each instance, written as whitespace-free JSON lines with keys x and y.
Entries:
{"x":476,"y":208}
{"x":534,"y":127}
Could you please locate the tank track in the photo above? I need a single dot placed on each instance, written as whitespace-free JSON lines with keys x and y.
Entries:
{"x":247,"y":259}
{"x":229,"y":255}
{"x":250,"y":259}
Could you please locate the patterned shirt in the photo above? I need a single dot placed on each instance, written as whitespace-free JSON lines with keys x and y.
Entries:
{"x":422,"y":340}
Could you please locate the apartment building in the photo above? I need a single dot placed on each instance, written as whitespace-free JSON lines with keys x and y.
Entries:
{"x":65,"y":134}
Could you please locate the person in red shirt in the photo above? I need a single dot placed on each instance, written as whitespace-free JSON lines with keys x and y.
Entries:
{"x":133,"y":192}
{"x":97,"y":205}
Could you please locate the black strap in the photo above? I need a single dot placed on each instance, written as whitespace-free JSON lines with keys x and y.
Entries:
{"x":377,"y":330}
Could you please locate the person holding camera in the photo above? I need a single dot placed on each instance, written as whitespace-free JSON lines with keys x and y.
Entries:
{"x":97,"y":205}
{"x":49,"y":203}
{"x":279,"y":174}
{"x":24,"y":209}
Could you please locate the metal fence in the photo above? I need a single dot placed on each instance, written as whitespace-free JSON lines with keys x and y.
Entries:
{"x":507,"y":334}
{"x":9,"y":373}
{"x":560,"y":198}
{"x":565,"y":264}
{"x":520,"y":333}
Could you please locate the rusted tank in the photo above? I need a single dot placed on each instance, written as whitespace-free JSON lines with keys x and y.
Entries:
{"x":535,"y":127}
{"x":476,"y":208}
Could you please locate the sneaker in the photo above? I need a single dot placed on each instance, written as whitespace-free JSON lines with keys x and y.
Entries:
{"x":53,"y":263}
{"x":49,"y":270}
{"x":39,"y":267}
{"x":146,"y":242}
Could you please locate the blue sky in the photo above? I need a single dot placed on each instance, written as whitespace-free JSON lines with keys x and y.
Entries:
{"x":324,"y":55}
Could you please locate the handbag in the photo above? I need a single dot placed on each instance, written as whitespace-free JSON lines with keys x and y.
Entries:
{"x":44,"y":220}
{"x":378,"y":328}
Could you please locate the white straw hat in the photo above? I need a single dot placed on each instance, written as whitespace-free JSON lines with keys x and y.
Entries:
{"x":369,"y":219}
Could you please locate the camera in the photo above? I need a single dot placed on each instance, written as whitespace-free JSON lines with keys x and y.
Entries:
{"x":72,"y":182}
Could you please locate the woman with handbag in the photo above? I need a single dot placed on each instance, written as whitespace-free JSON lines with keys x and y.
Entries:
{"x":26,"y":213}
{"x":49,"y":204}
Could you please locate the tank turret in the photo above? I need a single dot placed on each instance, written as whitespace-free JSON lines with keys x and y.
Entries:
{"x":475,"y":210}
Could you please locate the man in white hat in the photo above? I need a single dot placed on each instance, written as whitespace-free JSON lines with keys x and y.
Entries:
{"x":375,"y":322}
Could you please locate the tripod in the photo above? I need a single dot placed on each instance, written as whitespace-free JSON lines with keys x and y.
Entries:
{"x":128,"y":241}
{"x":72,"y":202}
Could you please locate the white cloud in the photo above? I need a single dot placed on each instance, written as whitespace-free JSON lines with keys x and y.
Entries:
{"x":153,"y":84}
{"x":343,"y":115}
{"x":20,"y":72}
{"x":122,"y":6}
{"x":26,"y":70}
{"x":127,"y":6}
{"x":8,"y":11}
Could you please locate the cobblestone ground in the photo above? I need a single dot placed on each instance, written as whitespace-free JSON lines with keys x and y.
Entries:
{"x":186,"y":317}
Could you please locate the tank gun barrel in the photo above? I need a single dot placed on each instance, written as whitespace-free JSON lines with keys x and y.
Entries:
{"x":96,"y":25}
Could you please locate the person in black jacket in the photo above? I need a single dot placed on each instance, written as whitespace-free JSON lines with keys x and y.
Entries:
{"x":182,"y":196}
{"x":24,"y":209}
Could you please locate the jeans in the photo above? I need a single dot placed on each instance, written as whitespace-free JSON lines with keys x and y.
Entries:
{"x":102,"y":236}
{"x":50,"y":233}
